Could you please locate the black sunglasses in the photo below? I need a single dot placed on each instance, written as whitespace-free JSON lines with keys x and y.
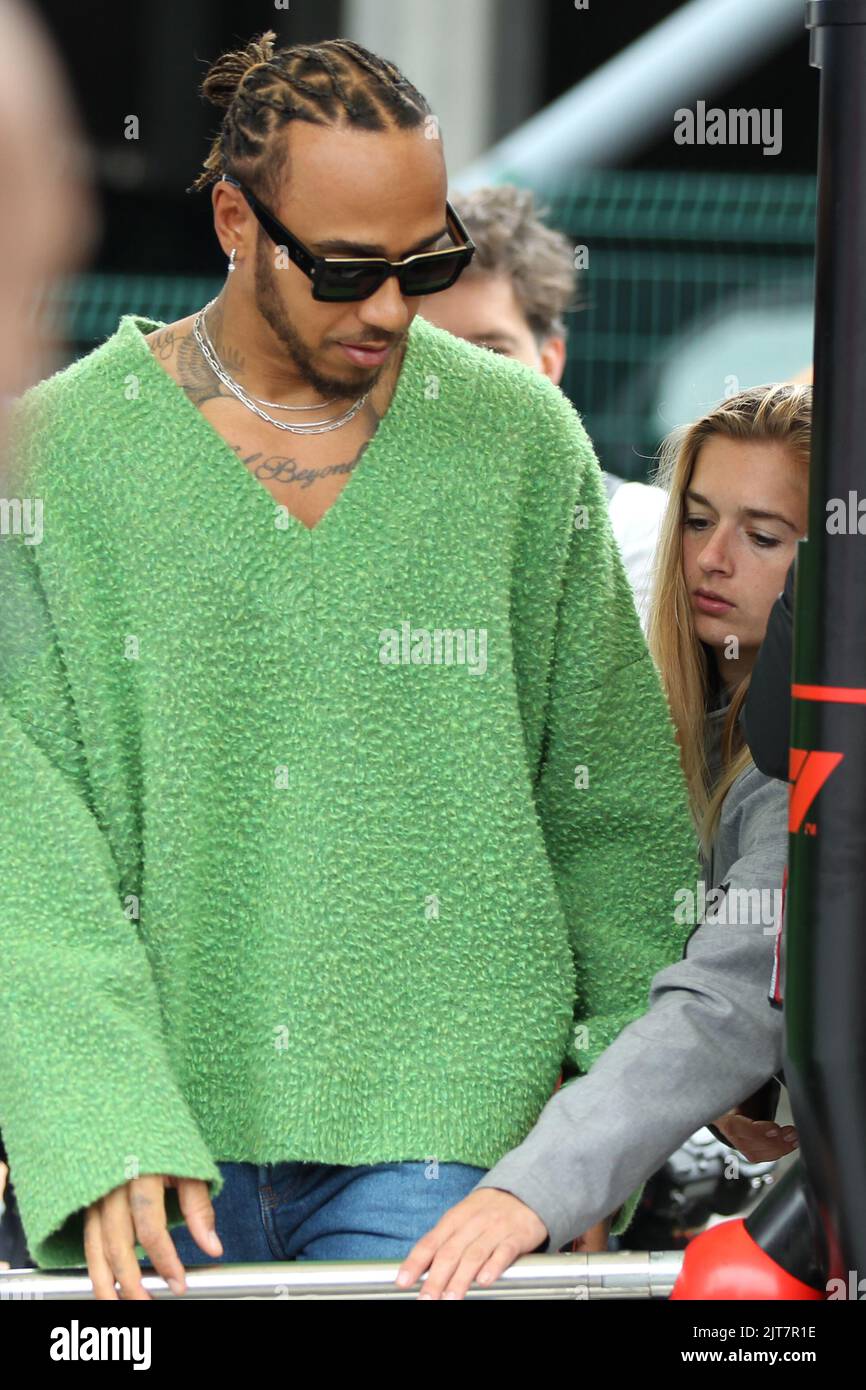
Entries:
{"x":348,"y":278}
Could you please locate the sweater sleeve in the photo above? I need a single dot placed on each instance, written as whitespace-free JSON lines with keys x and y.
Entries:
{"x":87,"y":1095}
{"x":610,"y":792}
{"x":708,"y":1038}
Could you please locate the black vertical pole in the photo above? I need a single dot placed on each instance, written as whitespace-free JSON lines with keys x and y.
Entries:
{"x":825,"y":985}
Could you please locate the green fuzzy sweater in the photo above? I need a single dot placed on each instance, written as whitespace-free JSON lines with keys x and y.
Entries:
{"x":331,"y":845}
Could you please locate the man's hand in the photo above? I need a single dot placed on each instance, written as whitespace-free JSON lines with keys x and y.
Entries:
{"x":134,"y":1212}
{"x":475,"y":1240}
{"x":757,"y":1140}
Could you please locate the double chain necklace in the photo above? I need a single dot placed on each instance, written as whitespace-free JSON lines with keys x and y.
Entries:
{"x":202,"y":337}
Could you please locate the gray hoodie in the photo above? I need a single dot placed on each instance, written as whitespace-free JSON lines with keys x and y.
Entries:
{"x":709,"y":1038}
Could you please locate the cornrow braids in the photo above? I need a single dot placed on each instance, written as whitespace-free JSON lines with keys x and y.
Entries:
{"x":329,"y":83}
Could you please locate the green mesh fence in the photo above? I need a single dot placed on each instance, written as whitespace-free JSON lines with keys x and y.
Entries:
{"x":91,"y":305}
{"x":673,"y":259}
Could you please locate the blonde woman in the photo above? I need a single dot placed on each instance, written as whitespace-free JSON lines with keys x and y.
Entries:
{"x":737,"y":483}
{"x":715,"y":587}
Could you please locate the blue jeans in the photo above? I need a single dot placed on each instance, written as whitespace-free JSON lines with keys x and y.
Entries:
{"x":322,"y":1211}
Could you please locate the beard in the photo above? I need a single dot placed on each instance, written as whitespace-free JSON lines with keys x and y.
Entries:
{"x":272,"y":310}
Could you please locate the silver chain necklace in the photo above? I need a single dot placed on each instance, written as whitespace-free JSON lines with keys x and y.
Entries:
{"x":311,"y":427}
{"x":276,"y":405}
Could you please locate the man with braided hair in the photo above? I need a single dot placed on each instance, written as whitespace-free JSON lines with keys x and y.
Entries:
{"x":343,"y":811}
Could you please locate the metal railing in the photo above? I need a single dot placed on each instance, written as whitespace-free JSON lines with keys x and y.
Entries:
{"x":620,"y":1274}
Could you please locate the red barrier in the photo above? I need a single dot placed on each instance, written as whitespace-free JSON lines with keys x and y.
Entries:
{"x":725,"y":1263}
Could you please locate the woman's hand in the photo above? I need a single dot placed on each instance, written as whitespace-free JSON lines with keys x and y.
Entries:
{"x":476,"y":1240}
{"x":757,"y":1140}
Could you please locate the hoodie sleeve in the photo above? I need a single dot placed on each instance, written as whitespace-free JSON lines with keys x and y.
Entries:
{"x":87,"y":1095}
{"x":708,"y":1038}
{"x":610,"y":792}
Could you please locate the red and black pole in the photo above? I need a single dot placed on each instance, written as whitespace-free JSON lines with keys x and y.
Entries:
{"x":825,"y":976}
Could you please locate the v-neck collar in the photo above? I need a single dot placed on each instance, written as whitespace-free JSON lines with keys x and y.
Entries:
{"x":132,"y":328}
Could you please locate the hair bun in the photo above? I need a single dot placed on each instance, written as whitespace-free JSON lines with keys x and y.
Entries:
{"x":224,"y":77}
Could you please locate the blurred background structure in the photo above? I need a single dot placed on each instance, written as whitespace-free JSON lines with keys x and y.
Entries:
{"x":696,"y":259}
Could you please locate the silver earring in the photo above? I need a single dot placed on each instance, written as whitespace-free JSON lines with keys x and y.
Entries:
{"x":232,"y":258}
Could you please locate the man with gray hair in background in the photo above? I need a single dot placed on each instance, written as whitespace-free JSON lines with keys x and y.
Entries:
{"x":513,"y":300}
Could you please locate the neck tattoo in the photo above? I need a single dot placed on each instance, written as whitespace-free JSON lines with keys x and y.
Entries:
{"x":284,"y":469}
